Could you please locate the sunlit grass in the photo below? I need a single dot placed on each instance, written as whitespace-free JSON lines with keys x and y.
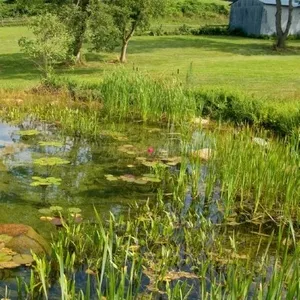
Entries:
{"x":248,"y":65}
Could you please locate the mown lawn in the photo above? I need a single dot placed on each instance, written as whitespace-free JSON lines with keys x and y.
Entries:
{"x":249,"y":65}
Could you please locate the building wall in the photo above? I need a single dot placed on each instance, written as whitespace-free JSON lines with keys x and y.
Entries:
{"x":246,"y":15}
{"x":256,"y":18}
{"x":268,"y":26}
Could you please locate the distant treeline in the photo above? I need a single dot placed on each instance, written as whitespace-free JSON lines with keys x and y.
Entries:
{"x":187,"y":8}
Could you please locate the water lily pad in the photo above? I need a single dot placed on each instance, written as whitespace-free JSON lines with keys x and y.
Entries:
{"x":50,"y":161}
{"x":46,"y":218}
{"x":51,"y":144}
{"x":110,"y":177}
{"x":56,"y":208}
{"x":140,"y":181}
{"x":130,"y":152}
{"x":176,"y":159}
{"x":173,"y":163}
{"x":152,"y":130}
{"x":149,"y":175}
{"x":120,"y":138}
{"x":128,"y":178}
{"x":151,"y":179}
{"x":45,"y":211}
{"x":74,"y":210}
{"x":29,"y":132}
{"x":39,"y":181}
{"x":141,"y":158}
{"x":149,"y":163}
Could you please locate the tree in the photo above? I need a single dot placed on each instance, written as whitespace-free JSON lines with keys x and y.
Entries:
{"x":103,"y":34}
{"x":50,"y":44}
{"x":283,"y":34}
{"x":129,"y":15}
{"x":74,"y":13}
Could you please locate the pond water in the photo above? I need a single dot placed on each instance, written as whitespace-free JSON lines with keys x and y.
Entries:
{"x":109,"y":173}
{"x":86,"y":179}
{"x":84,"y":183}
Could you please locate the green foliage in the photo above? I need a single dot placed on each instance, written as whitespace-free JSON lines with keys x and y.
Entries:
{"x":199,"y":8}
{"x":29,"y":132}
{"x":50,"y":161}
{"x":103,"y":34}
{"x":50,"y":43}
{"x":51,"y":144}
{"x":18,"y":8}
{"x":39,"y":181}
{"x":74,"y":14}
{"x":122,"y":18}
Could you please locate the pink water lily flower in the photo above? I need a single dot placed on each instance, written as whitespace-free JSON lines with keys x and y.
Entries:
{"x":150,"y":150}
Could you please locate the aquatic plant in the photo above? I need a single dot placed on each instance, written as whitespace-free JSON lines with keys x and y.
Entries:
{"x":50,"y":161}
{"x":39,"y":181}
{"x":51,"y":144}
{"x":29,"y":132}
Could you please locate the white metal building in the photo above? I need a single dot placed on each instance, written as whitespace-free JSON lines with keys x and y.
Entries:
{"x":257,"y":17}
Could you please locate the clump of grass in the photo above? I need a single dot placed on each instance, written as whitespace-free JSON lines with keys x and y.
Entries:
{"x":135,"y":95}
{"x":241,"y":108}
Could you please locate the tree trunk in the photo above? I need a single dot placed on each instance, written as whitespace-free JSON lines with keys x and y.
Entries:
{"x":80,"y":26}
{"x":126,"y":38}
{"x":78,"y":42}
{"x":282,"y":35}
{"x":124,"y":51}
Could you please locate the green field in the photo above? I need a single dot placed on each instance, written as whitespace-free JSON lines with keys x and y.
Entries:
{"x":248,"y":65}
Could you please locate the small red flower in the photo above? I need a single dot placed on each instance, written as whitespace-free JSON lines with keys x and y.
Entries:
{"x":150,"y":150}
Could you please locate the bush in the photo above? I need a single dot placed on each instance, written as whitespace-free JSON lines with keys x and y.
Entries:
{"x":211,"y":30}
{"x":190,"y":8}
{"x":50,"y":43}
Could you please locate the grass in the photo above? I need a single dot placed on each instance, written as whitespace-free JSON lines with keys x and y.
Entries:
{"x":233,"y":63}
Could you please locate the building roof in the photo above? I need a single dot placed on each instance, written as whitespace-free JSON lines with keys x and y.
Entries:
{"x":296,"y":3}
{"x":283,"y":2}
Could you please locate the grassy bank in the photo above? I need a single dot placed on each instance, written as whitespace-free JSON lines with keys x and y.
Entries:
{"x":132,"y":96}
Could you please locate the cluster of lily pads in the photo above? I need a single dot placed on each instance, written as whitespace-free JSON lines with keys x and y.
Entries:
{"x":57,"y":215}
{"x":54,"y":214}
{"x":10,"y":259}
{"x":161,"y":159}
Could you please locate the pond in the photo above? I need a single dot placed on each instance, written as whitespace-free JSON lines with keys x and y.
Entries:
{"x":121,"y":169}
{"x":84,"y":180}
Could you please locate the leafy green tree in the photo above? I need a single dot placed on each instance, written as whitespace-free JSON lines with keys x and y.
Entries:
{"x":128,"y":16}
{"x":50,"y":44}
{"x":75,"y":14}
{"x":103,"y":34}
